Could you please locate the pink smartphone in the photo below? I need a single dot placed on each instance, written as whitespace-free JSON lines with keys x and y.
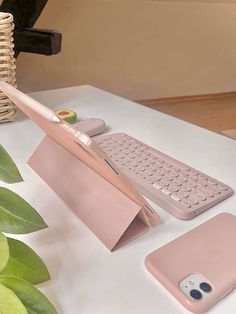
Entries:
{"x":199,"y":267}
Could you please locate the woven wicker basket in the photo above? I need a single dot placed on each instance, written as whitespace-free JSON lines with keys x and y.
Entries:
{"x":7,"y":65}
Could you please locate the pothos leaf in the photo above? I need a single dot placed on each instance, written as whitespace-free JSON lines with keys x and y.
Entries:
{"x":9,"y":302}
{"x":25,"y":263}
{"x":4,"y":251}
{"x":8,"y":170}
{"x":34,"y":301}
{"x":16,"y":215}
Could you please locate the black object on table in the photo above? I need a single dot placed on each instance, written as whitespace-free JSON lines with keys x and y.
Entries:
{"x":27,"y":38}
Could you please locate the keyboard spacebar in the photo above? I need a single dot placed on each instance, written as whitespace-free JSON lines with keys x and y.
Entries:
{"x":167,"y":158}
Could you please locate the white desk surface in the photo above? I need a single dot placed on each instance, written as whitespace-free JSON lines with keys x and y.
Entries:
{"x":86,"y":277}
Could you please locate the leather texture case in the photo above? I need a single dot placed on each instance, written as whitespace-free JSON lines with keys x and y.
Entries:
{"x":208,"y":250}
{"x":109,"y":213}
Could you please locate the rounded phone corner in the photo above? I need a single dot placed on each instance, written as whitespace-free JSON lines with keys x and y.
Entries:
{"x":226,"y":215}
{"x":148,"y":261}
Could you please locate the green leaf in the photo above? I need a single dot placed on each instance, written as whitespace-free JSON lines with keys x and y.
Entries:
{"x":4,"y":251}
{"x":8,"y":170}
{"x":10,"y":303}
{"x":34,"y":301}
{"x":16,"y":215}
{"x":25,"y":263}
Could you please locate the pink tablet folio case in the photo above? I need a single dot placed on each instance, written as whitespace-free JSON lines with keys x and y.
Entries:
{"x":110,"y":214}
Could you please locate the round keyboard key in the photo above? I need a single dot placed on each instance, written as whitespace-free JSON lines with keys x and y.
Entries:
{"x":182,"y":194}
{"x":141,"y":168}
{"x":174,"y":174}
{"x":222,"y":187}
{"x":202,"y":176}
{"x":148,"y":172}
{"x":193,"y":172}
{"x":185,"y":172}
{"x":150,"y":180}
{"x":177,"y":182}
{"x":191,"y":184}
{"x":176,"y":169}
{"x":165,"y":191}
{"x":151,"y":162}
{"x":202,"y":190}
{"x":157,"y":186}
{"x":141,"y":149}
{"x":202,"y":182}
{"x":193,"y":178}
{"x":153,"y":167}
{"x":192,"y":200}
{"x":199,"y":196}
{"x":211,"y":181}
{"x":156,"y":178}
{"x":183,"y":179}
{"x":166,"y":169}
{"x":175,"y":197}
{"x":209,"y":193}
{"x":173,"y":188}
{"x":183,"y":167}
{"x":185,"y":203}
{"x":154,"y":157}
{"x":164,"y":183}
{"x":127,"y":161}
{"x":159,"y":172}
{"x":113,"y":153}
{"x":168,"y":178}
{"x":185,"y":188}
{"x":159,"y":165}
{"x":214,"y":189}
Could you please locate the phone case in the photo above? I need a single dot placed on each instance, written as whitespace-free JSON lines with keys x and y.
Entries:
{"x":208,"y":250}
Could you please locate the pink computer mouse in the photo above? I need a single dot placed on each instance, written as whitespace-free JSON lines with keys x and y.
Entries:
{"x":91,"y":126}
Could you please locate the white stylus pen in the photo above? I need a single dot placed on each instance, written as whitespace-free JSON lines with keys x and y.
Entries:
{"x":28,"y":101}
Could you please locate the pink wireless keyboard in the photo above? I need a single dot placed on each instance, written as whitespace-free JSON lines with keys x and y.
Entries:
{"x":183,"y":191}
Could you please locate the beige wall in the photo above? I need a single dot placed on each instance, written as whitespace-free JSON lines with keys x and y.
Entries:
{"x":137,"y":49}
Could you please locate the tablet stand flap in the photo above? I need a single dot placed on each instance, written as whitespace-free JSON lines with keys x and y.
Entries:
{"x":109,"y":213}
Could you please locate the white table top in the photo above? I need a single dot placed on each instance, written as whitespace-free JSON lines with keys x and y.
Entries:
{"x":86,"y":277}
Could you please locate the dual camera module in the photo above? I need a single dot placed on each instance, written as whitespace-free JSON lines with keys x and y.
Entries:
{"x":195,"y":286}
{"x":196,"y":294}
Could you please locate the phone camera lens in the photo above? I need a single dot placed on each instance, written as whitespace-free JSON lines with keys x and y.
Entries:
{"x":195,"y":294}
{"x":205,"y":287}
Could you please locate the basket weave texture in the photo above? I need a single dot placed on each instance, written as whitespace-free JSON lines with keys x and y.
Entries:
{"x":7,"y":65}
